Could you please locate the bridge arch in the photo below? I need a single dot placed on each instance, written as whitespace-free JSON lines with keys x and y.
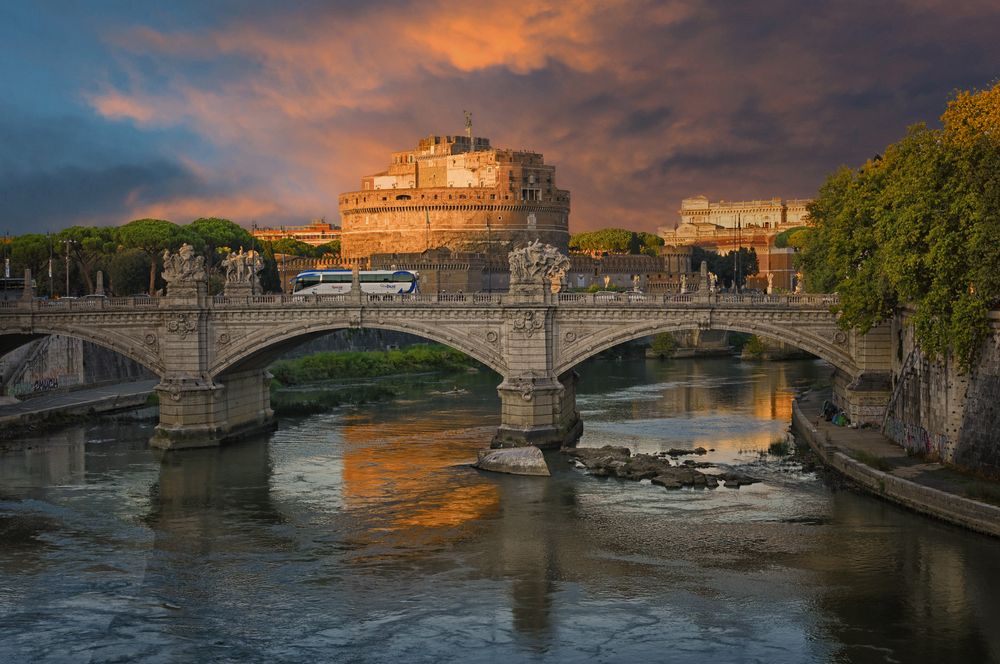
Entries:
{"x":834,"y":351}
{"x":260,"y":349}
{"x":140,"y":351}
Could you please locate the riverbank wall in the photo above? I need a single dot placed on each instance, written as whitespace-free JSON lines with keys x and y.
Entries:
{"x":56,"y":364}
{"x":56,"y":409}
{"x":831,"y":448}
{"x":937,"y":411}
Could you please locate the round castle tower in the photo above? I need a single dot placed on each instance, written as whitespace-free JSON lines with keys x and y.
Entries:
{"x":455,"y":192}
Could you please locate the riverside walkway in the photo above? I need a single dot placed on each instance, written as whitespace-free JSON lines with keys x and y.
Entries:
{"x":97,"y":399}
{"x":885,"y":469}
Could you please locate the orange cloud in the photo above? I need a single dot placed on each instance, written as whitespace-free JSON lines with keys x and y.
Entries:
{"x":637,"y":103}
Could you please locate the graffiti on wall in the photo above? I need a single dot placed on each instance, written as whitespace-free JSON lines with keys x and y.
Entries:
{"x":46,"y":384}
{"x":917,"y":440}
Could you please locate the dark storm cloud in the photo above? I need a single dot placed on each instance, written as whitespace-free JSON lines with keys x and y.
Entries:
{"x":47,"y":201}
{"x":266,"y":112}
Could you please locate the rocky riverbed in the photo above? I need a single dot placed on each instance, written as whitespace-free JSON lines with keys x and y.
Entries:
{"x":664,"y":468}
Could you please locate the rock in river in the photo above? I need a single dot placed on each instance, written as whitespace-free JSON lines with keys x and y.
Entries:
{"x":513,"y":460}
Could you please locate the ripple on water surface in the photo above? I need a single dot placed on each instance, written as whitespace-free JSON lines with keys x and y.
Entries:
{"x":362,"y":535}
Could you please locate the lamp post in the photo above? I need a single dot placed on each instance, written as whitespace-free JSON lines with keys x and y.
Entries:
{"x":68,"y":244}
{"x":51,"y":285}
{"x":6,"y":261}
{"x":739,"y":251}
{"x":253,"y":257}
{"x":489,"y":257}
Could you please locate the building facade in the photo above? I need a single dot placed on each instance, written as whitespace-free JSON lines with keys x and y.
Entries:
{"x":317,"y":232}
{"x":456,"y":192}
{"x":726,"y":226}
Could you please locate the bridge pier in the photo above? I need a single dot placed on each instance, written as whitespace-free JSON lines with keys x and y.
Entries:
{"x":205,"y":413}
{"x":538,"y":410}
{"x":865,"y":395}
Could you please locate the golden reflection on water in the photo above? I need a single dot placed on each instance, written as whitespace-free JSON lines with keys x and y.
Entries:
{"x":412,"y":473}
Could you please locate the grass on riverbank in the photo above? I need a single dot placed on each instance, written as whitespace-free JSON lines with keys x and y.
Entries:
{"x":369,"y":364}
{"x":289,"y":403}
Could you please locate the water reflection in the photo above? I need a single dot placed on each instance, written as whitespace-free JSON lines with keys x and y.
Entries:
{"x":718,"y":403}
{"x":362,"y":535}
{"x":893,"y":573}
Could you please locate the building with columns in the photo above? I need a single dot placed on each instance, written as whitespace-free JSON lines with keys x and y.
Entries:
{"x":726,"y":225}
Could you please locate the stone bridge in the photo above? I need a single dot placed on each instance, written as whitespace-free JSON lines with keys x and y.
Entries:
{"x":212,"y":353}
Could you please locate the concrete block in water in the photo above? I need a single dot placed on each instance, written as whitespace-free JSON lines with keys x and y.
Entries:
{"x":514,"y":460}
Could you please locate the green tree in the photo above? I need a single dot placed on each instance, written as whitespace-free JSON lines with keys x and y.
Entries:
{"x":723,"y":265}
{"x":220,"y":236}
{"x":330,"y":248}
{"x":918,"y":226}
{"x":289,"y":245}
{"x":270,"y":280}
{"x":784,"y":238}
{"x":611,"y":240}
{"x":90,"y":247}
{"x":30,"y":251}
{"x":664,"y":344}
{"x":126,"y":272}
{"x":152,"y":237}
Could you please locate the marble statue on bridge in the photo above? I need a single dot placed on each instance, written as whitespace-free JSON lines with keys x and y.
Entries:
{"x":242,"y":269}
{"x":533,"y":265}
{"x":184,"y":273}
{"x":184,"y":266}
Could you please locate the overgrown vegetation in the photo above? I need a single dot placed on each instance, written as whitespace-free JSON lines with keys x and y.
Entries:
{"x":780,"y":447}
{"x":919,"y":226}
{"x":754,"y":347}
{"x":291,"y":403}
{"x":367,"y":364}
{"x":664,"y":344}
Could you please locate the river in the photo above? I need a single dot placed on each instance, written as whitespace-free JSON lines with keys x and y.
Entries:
{"x":361,"y":535}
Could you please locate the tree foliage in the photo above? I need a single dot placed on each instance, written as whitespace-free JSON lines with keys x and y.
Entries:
{"x":291,"y":246}
{"x":919,"y":226}
{"x":723,"y":265}
{"x":616,"y":241}
{"x":89,"y":247}
{"x":331,"y":248}
{"x":786,"y":238}
{"x":152,"y":237}
{"x":219,"y":236}
{"x":30,"y":251}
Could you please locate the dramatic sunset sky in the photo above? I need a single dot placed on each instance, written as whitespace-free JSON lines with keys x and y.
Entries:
{"x":265,"y":111}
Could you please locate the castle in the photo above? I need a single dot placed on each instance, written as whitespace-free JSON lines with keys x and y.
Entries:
{"x":456,"y":192}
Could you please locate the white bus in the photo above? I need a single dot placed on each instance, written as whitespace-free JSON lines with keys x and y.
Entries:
{"x":338,"y":282}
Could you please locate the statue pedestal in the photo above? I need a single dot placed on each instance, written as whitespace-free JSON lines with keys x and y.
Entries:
{"x":194,"y":292}
{"x":233,"y":289}
{"x":533,"y":293}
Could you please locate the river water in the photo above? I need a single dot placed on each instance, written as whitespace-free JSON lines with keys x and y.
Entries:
{"x":360,"y":535}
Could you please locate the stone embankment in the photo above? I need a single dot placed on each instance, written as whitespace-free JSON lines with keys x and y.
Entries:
{"x":609,"y":461}
{"x":884,"y":469}
{"x":35,"y":414}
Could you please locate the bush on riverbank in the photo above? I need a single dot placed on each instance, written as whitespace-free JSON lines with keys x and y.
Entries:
{"x":299,"y":404}
{"x":754,"y":347}
{"x":369,"y":364}
{"x":664,"y":344}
